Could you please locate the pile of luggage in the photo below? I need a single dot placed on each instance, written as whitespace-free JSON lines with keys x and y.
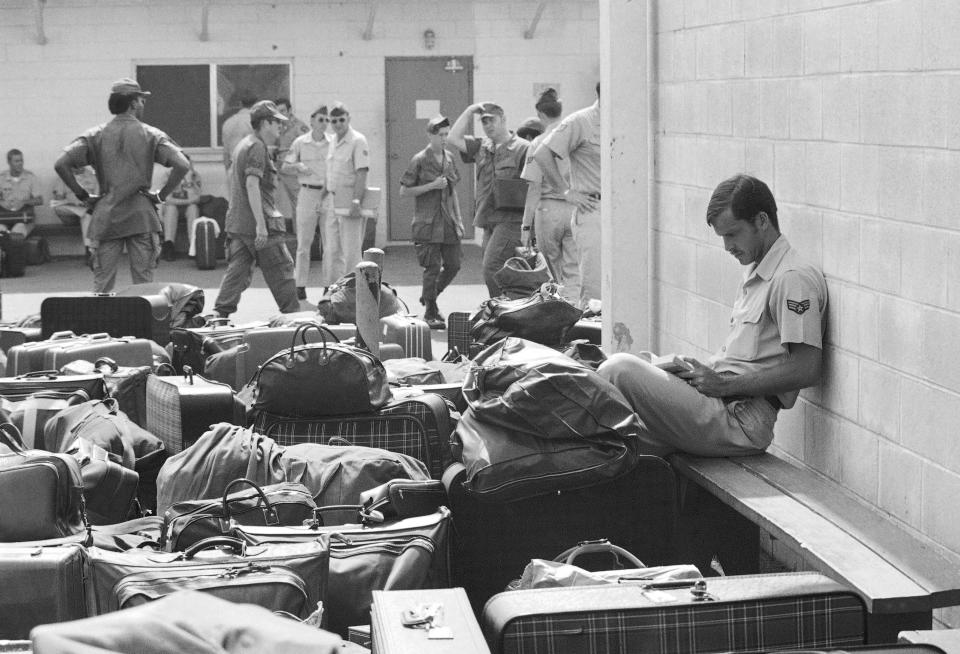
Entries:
{"x":155,"y":464}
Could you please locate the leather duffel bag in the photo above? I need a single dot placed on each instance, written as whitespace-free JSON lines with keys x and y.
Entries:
{"x":320,"y":379}
{"x":543,"y":317}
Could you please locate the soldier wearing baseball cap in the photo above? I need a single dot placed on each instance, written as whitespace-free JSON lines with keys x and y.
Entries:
{"x":127,"y":86}
{"x":265,"y":110}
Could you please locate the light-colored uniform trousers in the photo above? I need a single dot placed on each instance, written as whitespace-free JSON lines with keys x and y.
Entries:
{"x":313,"y":208}
{"x":552,"y":224}
{"x":676,"y":416}
{"x":342,"y":240}
{"x":585,"y":226}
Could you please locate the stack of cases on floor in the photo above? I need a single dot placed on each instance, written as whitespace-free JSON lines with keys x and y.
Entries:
{"x":417,"y":426}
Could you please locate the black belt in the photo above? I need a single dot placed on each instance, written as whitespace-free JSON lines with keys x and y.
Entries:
{"x":595,"y":196}
{"x":312,"y":187}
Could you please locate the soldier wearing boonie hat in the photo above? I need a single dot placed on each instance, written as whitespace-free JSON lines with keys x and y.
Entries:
{"x":123,"y":152}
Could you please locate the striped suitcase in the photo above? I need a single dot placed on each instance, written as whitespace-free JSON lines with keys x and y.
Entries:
{"x":418,"y":426}
{"x":41,"y":585}
{"x":410,"y":333}
{"x":750,"y":613}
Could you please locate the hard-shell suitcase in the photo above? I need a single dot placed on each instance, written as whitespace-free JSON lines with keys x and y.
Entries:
{"x":289,"y":577}
{"x":14,"y":254}
{"x":751,"y":613}
{"x":117,"y":315}
{"x":40,"y":585}
{"x":181,"y":408}
{"x":192,"y":345}
{"x":93,"y":384}
{"x":205,"y":245}
{"x":124,"y":351}
{"x":391,"y":636}
{"x":418,"y":426}
{"x":495,"y":540}
{"x":28,"y":356}
{"x":410,"y":333}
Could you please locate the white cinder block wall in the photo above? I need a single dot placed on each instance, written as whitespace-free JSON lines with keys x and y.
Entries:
{"x":849,"y":111}
{"x":53,"y":92}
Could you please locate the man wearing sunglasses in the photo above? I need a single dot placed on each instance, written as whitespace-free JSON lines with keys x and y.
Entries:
{"x":347,"y":164}
{"x":307,"y":159}
{"x":256,"y":230}
{"x":499,"y":158}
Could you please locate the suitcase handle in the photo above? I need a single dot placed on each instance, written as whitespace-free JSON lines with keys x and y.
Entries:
{"x":592,"y":546}
{"x":270,"y":516}
{"x":235,"y":544}
{"x":59,"y":336}
{"x":106,"y":361}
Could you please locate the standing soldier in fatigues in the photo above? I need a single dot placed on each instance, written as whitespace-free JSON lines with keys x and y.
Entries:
{"x":437,"y":225}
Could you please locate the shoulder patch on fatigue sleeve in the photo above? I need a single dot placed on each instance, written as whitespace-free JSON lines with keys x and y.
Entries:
{"x":798,"y":307}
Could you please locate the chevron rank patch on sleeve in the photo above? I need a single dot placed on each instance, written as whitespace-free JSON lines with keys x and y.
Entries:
{"x":799,"y":307}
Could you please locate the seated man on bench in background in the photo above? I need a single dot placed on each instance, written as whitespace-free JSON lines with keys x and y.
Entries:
{"x":18,"y":194}
{"x":728,"y":406}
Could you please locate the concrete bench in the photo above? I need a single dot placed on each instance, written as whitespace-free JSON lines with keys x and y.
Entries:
{"x":826,"y":528}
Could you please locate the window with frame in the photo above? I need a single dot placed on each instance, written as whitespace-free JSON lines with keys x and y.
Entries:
{"x":190,"y":102}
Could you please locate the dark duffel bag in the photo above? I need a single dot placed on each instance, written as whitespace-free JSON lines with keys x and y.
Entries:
{"x":539,"y":422}
{"x":109,"y":488}
{"x":320,"y":379}
{"x":544,"y":317}
{"x":286,"y":503}
{"x":42,"y":492}
{"x":339,"y":302}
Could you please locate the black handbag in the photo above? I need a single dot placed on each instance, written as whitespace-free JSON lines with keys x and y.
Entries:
{"x":186,"y":523}
{"x":544,"y":317}
{"x":311,"y":380}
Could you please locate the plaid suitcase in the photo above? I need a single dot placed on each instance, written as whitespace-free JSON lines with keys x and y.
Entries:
{"x":494,"y":541}
{"x":458,"y":334}
{"x":41,"y":585}
{"x":181,"y":408}
{"x":750,"y":613}
{"x":418,"y":426}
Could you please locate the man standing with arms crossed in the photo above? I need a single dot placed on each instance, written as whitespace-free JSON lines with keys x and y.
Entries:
{"x":547,"y":214}
{"x":577,"y":140}
{"x":122,"y":152}
{"x":307,"y":161}
{"x":255,"y":229}
{"x":499,"y":156}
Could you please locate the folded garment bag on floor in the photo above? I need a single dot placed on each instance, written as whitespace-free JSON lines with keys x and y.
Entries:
{"x":290,"y":577}
{"x":187,"y":621}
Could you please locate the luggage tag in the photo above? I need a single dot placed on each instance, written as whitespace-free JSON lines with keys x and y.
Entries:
{"x":428,"y":617}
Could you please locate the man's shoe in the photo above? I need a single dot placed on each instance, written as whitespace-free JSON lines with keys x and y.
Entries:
{"x":434,"y":322}
{"x":301,"y":293}
{"x":167,"y":251}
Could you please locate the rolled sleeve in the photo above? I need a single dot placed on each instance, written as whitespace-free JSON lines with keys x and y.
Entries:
{"x":77,"y":152}
{"x":411,"y":177}
{"x":256,"y":164}
{"x":798,"y":307}
{"x":531,"y":170}
{"x":565,"y":139}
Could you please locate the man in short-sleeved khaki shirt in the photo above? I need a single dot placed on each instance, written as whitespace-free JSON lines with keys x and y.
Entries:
{"x":774,"y":346}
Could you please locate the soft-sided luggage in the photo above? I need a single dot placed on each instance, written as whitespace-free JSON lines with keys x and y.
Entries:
{"x":495,"y":540}
{"x":40,"y":585}
{"x":544,"y":317}
{"x":417,"y":426}
{"x":42,"y":492}
{"x":398,"y":555}
{"x":12,"y":334}
{"x":37,"y":250}
{"x":752,"y":613}
{"x":109,"y":488}
{"x":14,"y":254}
{"x":114,"y":314}
{"x":28,"y":356}
{"x":410,"y":333}
{"x":174,"y":305}
{"x":459,"y":341}
{"x":189,"y":621}
{"x":181,"y":408}
{"x":392,"y":608}
{"x":29,"y":413}
{"x":589,"y":329}
{"x":124,"y":350}
{"x":205,"y":243}
{"x":126,"y":384}
{"x":286,"y":503}
{"x":289,"y":577}
{"x":339,"y":302}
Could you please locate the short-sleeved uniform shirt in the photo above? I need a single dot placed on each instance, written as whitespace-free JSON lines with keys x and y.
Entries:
{"x":313,"y":153}
{"x":14,"y":191}
{"x":346,"y":157}
{"x":252,"y":159}
{"x":532,"y":173}
{"x":782,"y":299}
{"x":577,"y":138}
{"x":292,"y":130}
{"x":122,"y":152}
{"x":432,"y":221}
{"x":504,"y":161}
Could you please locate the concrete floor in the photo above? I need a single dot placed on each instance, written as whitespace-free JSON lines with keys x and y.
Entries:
{"x":69,"y":276}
